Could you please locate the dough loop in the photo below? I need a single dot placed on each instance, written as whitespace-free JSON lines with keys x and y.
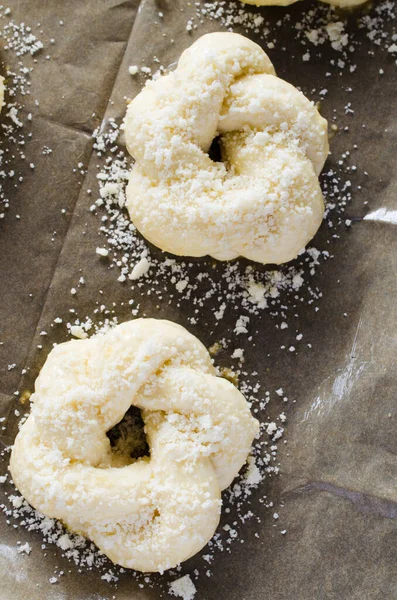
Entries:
{"x":264,"y":200}
{"x":152,"y":513}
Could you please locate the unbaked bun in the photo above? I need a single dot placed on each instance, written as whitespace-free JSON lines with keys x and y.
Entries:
{"x":147,"y":514}
{"x":264,"y":200}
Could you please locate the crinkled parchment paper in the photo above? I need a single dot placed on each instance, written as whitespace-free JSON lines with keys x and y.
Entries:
{"x":336,"y":494}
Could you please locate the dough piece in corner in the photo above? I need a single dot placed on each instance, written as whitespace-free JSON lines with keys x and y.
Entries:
{"x":153,"y":512}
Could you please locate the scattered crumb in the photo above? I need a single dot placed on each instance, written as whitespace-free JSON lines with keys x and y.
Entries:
{"x":183,"y":588}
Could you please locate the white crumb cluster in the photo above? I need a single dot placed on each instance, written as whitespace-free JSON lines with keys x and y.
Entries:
{"x":74,"y":547}
{"x":140,"y":268}
{"x":183,"y":588}
{"x":19,"y":39}
{"x":318,"y":26}
{"x":24,"y":548}
{"x":78,"y":331}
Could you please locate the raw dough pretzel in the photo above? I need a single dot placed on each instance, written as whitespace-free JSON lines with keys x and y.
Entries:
{"x":152,"y":513}
{"x":264,"y":202}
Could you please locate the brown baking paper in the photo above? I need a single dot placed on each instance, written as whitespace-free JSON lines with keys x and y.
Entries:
{"x":336,"y":493}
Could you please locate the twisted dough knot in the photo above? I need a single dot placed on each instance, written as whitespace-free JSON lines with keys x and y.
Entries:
{"x":263,"y":201}
{"x":152,"y":513}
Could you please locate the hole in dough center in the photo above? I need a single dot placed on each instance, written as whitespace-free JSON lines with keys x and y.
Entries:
{"x":215,"y":150}
{"x":127,"y":438}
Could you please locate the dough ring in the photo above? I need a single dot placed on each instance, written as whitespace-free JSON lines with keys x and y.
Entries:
{"x":264,"y":201}
{"x":152,"y":513}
